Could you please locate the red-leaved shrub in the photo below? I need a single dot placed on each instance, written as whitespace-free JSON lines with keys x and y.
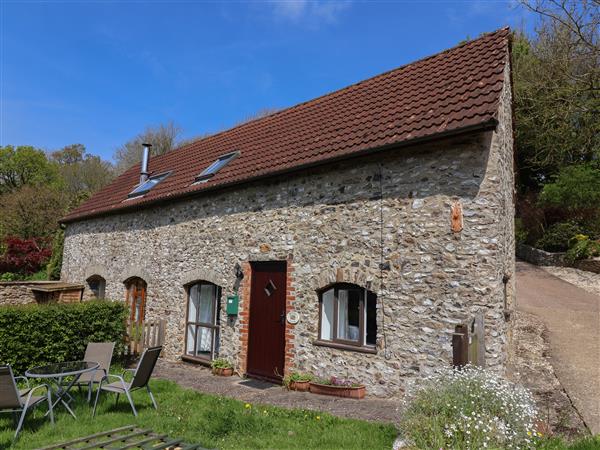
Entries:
{"x":24,"y":256}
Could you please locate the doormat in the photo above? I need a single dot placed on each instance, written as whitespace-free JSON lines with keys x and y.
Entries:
{"x":257,"y":384}
{"x":129,"y":437}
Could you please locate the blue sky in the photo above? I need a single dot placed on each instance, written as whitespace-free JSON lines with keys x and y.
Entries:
{"x":99,"y":72}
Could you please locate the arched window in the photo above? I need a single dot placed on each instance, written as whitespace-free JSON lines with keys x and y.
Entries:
{"x":202,"y":320}
{"x":97,"y":285}
{"x":135,"y":297}
{"x":348,"y":316}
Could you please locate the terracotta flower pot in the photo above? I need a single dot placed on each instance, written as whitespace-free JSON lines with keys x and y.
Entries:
{"x":300,"y":386}
{"x":223,"y":371}
{"x":356,"y":392}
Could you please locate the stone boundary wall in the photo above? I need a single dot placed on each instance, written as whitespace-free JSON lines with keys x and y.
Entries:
{"x":539,"y":257}
{"x":20,"y":293}
{"x":543,"y":258}
{"x":591,"y":265}
{"x":16,"y":293}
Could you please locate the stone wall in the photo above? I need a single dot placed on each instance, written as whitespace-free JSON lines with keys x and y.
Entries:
{"x":540,"y":257}
{"x":23,"y":293}
{"x":338,"y":222}
{"x":16,"y":293}
{"x":590,"y":265}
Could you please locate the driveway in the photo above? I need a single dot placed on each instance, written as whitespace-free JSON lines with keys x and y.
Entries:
{"x":572,"y":316}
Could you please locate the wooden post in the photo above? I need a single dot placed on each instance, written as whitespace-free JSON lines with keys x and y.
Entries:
{"x":477,"y":344}
{"x":460,"y":346}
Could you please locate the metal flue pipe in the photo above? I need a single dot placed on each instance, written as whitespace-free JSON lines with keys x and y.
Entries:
{"x":144,"y":173}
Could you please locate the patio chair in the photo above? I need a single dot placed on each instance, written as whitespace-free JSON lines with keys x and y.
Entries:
{"x":141,"y":377}
{"x":11,"y":400}
{"x":100,"y":352}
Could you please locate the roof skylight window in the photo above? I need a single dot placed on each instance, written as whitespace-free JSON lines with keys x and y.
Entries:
{"x":211,"y":170}
{"x":148,"y":185}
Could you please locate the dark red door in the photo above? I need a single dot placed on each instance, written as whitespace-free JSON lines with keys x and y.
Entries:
{"x":266,"y":339}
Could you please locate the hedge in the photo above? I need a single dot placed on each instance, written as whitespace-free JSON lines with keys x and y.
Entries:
{"x":33,"y":335}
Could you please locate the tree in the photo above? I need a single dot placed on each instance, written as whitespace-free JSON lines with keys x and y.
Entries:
{"x":557,"y":90}
{"x":31,"y":212}
{"x":163,"y":138}
{"x":574,"y":191}
{"x":25,"y":165}
{"x":24,"y":256}
{"x":82,"y":173}
{"x":54,"y":266}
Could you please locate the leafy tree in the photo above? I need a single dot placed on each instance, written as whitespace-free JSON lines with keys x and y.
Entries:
{"x":557,"y":90}
{"x":163,"y":138}
{"x":24,"y":256}
{"x":575,"y":188}
{"x":55,"y":263}
{"x":82,"y":173}
{"x":25,"y":165}
{"x":31,"y":212}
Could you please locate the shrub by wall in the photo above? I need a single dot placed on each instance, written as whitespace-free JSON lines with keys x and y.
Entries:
{"x":33,"y":335}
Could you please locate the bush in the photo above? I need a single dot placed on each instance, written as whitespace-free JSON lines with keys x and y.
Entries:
{"x":575,"y":189}
{"x":9,"y":276}
{"x":33,"y":335}
{"x":469,"y":408}
{"x":558,"y":236}
{"x":582,"y":248}
{"x":55,"y":264}
{"x":24,"y":256}
{"x":521,"y":233}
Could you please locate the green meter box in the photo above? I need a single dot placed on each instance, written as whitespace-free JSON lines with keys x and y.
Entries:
{"x":232,"y":304}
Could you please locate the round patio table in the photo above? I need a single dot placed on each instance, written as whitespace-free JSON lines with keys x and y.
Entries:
{"x":56,"y":372}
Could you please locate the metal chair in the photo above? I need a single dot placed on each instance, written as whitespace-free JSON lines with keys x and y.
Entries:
{"x":141,"y":377}
{"x":100,"y":352}
{"x":11,"y":399}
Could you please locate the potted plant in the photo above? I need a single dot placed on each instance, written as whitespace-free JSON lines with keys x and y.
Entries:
{"x":297,"y":381}
{"x":221,"y":367}
{"x":338,"y":387}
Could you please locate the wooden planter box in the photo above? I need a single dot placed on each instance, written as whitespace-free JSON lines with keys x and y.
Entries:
{"x":223,"y":372}
{"x":300,"y":386}
{"x":357,"y":392}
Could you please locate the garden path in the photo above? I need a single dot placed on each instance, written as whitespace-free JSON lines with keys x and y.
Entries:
{"x":260,"y":392}
{"x":572,"y":317}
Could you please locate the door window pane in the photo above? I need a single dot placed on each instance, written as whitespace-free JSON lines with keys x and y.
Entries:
{"x":190,"y":338}
{"x":327,"y":315}
{"x":204,"y":342}
{"x":371,"y":328}
{"x":349,"y":314}
{"x":207,"y":303}
{"x":193,"y":304}
{"x":201,"y":335}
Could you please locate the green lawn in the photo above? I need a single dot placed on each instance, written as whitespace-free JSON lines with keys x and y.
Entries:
{"x":214,"y":422}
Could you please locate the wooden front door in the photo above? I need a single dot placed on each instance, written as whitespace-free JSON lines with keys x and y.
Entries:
{"x":136,"y":299}
{"x":266,"y":339}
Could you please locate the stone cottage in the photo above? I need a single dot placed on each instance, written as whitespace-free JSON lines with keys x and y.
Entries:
{"x":345,"y":236}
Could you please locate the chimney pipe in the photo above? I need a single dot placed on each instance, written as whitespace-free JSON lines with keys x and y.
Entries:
{"x":145,"y":157}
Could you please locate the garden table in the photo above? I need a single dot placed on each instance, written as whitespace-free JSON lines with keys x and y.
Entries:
{"x":55,"y":374}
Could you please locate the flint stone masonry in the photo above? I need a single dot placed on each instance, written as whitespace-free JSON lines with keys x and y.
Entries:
{"x":382,"y":221}
{"x":16,"y":293}
{"x":27,"y":292}
{"x":540,"y":257}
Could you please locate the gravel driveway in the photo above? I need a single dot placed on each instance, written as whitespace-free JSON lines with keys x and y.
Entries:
{"x":572,"y":317}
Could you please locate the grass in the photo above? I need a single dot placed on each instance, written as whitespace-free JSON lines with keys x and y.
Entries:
{"x":212,"y":421}
{"x":556,"y":443}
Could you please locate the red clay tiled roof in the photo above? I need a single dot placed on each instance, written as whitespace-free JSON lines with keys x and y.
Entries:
{"x":450,"y":92}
